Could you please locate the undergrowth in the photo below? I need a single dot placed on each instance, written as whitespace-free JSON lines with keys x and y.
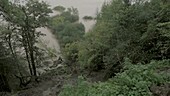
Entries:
{"x":134,"y":80}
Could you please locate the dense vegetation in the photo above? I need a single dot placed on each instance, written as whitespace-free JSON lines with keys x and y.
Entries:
{"x":59,"y":8}
{"x":129,"y":45}
{"x":137,"y":30}
{"x":88,"y":18}
{"x":18,"y":51}
{"x":135,"y":80}
{"x":68,"y":31}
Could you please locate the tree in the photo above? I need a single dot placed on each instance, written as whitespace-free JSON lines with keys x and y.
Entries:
{"x":120,"y":32}
{"x":36,"y":15}
{"x":59,"y":8}
{"x":21,"y":23}
{"x":5,"y":66}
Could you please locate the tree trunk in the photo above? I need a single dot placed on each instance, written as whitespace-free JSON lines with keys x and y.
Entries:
{"x":30,"y":42}
{"x":29,"y":64}
{"x":33,"y":63}
{"x":25,"y":40}
{"x":8,"y":39}
{"x":4,"y":86}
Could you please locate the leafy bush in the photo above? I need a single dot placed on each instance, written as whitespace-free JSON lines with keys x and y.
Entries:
{"x":88,"y":18}
{"x":70,"y":15}
{"x":66,"y":28}
{"x":59,"y":8}
{"x":68,"y":31}
{"x":70,"y":52}
{"x":71,"y":32}
{"x":134,"y":80}
{"x":131,"y":31}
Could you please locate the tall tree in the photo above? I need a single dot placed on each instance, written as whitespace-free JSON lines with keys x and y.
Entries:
{"x":35,"y":16}
{"x":127,"y":31}
{"x":4,"y":68}
{"x":22,"y":21}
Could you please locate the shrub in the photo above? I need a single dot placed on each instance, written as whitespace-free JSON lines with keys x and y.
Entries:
{"x":88,"y":18}
{"x":135,"y":80}
{"x":59,"y":8}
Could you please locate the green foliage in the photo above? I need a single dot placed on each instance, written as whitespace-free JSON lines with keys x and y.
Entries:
{"x":138,"y":31}
{"x":68,"y":37}
{"x":88,"y":18}
{"x":70,"y":52}
{"x":68,"y":31}
{"x":19,"y":38}
{"x":59,"y":8}
{"x":7,"y":69}
{"x":5,"y":64}
{"x":66,"y":28}
{"x":135,"y":80}
{"x":70,"y":15}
